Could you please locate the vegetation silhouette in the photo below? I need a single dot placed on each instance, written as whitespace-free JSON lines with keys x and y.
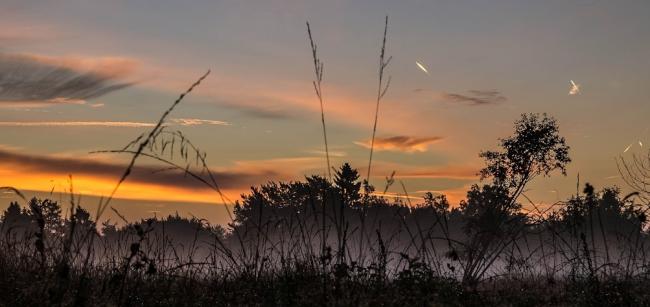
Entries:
{"x":299,"y":243}
{"x":333,"y":241}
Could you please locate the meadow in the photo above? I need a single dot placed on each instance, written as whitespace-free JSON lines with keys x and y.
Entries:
{"x":336,"y":243}
{"x":335,"y":240}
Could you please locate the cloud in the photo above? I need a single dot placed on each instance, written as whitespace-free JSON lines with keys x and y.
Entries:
{"x":27,"y":79}
{"x":456,"y":172}
{"x":450,"y":172}
{"x":198,"y":122}
{"x":476,"y":97}
{"x":77,"y":124}
{"x":97,"y":175}
{"x":332,"y":153}
{"x":230,"y":92}
{"x":264,"y":107}
{"x":143,"y":174}
{"x":402,"y":143}
{"x":121,"y":124}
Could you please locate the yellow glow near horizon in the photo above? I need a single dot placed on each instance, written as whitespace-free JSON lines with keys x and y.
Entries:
{"x":93,"y":186}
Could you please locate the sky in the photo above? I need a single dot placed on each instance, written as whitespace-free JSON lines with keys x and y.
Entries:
{"x":82,"y":76}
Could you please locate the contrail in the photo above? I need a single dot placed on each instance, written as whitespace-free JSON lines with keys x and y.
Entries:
{"x":575,"y":88}
{"x":424,"y":69}
{"x":628,"y":148}
{"x":198,"y":122}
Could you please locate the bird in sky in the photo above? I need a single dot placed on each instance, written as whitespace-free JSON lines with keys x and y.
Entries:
{"x":575,"y":88}
{"x":424,"y":69}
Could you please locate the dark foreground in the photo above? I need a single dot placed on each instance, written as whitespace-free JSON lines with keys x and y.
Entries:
{"x":296,"y":286}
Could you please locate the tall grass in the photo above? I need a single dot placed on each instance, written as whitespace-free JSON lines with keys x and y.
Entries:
{"x":330,"y":242}
{"x":174,"y":260}
{"x":141,"y":144}
{"x":382,"y":88}
{"x":318,"y":72}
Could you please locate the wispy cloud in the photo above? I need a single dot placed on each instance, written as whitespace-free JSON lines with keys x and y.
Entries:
{"x":198,"y":122}
{"x":33,"y":79}
{"x":270,"y":109}
{"x":402,"y":143}
{"x":77,"y":124}
{"x":121,"y":124}
{"x":332,"y":153}
{"x":143,"y":174}
{"x":461,"y":173}
{"x":97,"y":174}
{"x":476,"y":97}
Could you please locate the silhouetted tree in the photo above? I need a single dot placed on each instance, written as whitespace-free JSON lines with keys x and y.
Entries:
{"x":50,"y":213}
{"x":14,"y":216}
{"x":491,"y":213}
{"x":487,"y":211}
{"x":16,"y":223}
{"x":438,"y":202}
{"x":535,"y":149}
{"x":82,"y":227}
{"x":604,"y":209}
{"x":347,"y":181}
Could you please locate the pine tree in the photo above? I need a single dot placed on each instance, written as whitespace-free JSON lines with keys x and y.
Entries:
{"x":347,"y":182}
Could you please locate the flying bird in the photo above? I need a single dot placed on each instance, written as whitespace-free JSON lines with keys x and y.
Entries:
{"x":424,"y":69}
{"x":640,"y":144}
{"x":575,"y":88}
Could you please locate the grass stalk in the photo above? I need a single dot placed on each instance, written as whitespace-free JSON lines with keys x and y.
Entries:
{"x":318,"y":71}
{"x":381,"y":91}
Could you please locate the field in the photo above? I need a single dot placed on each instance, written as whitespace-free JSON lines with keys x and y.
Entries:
{"x":336,"y":243}
{"x":337,"y":240}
